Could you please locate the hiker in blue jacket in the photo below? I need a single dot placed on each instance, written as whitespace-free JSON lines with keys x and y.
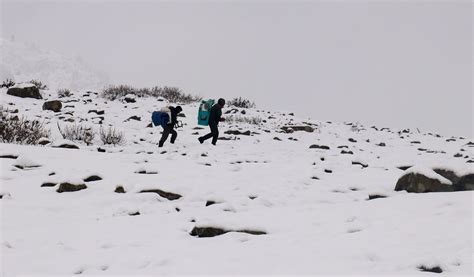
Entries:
{"x":214,"y":119}
{"x":169,"y":128}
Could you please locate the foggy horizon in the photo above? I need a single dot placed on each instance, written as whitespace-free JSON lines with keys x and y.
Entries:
{"x":389,"y":64}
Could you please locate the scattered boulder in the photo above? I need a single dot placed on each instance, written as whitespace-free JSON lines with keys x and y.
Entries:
{"x":164,"y":194}
{"x":237,"y":132}
{"x":376,"y":196}
{"x":119,"y":189}
{"x":48,"y":184}
{"x":65,"y":144}
{"x":360,"y":163}
{"x":207,"y":232}
{"x":347,"y":152}
{"x":25,"y":91}
{"x":466,"y":182}
{"x":98,"y":112}
{"x":291,"y":129}
{"x":130,"y":98}
{"x":101,"y":150}
{"x":53,"y":105}
{"x":8,"y":156}
{"x":352,"y":140}
{"x":68,"y":187}
{"x":134,"y":213}
{"x":92,"y":178}
{"x":420,"y":181}
{"x":134,"y":117}
{"x":382,"y":144}
{"x":43,"y":141}
{"x":210,"y":202}
{"x":277,"y":138}
{"x":434,"y":269}
{"x":316,"y":146}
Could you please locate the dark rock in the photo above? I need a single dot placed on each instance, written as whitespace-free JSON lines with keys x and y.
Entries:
{"x":150,"y":125}
{"x":100,"y":150}
{"x":361,"y":164}
{"x":466,"y":182}
{"x":44,"y":141}
{"x":415,"y":142}
{"x":328,"y":171}
{"x":376,"y":196}
{"x":347,"y":152}
{"x":8,"y":157}
{"x":419,"y":183}
{"x":48,"y":184}
{"x":54,"y":105}
{"x":206,"y":232}
{"x":67,"y":146}
{"x":134,"y":214}
{"x":352,"y":140}
{"x":92,"y":178}
{"x":458,"y":155}
{"x":130,"y":99}
{"x":382,"y":144}
{"x":164,"y":194}
{"x":315,"y":178}
{"x":119,"y":189}
{"x":98,"y":112}
{"x":134,"y":117}
{"x":210,"y":202}
{"x":435,"y":269}
{"x":237,"y":132}
{"x":448,"y":174}
{"x":277,"y":138}
{"x":343,"y":146}
{"x":315,"y":146}
{"x":242,"y":112}
{"x":27,"y":92}
{"x":68,"y":187}
{"x":291,"y":129}
{"x":404,"y":167}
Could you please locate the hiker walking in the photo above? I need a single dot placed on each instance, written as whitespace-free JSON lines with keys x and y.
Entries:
{"x":166,"y":117}
{"x":214,"y":119}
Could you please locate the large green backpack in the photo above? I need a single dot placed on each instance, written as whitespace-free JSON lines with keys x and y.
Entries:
{"x":205,"y":111}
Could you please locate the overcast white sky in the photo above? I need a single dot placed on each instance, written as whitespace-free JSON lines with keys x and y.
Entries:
{"x":390,"y":63}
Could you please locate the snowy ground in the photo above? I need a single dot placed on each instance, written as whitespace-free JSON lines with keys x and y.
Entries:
{"x":311,"y":203}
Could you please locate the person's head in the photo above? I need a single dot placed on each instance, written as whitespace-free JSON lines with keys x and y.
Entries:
{"x":221,"y":102}
{"x":179,"y":109}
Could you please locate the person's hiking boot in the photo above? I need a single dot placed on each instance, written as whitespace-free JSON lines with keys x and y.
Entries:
{"x":200,"y":140}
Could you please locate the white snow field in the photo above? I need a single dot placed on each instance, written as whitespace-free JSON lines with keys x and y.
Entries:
{"x":306,"y":211}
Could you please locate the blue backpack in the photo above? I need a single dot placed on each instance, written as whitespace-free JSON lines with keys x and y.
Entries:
{"x":160,"y":118}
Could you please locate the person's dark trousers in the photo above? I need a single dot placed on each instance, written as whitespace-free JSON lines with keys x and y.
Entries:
{"x":166,"y":131}
{"x":214,"y":134}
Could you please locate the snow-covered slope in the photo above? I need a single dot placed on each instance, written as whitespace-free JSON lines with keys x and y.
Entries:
{"x":24,"y":62}
{"x":311,"y":203}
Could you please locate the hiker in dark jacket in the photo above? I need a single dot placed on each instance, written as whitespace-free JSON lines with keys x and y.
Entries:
{"x":214,"y":119}
{"x":169,"y":128}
